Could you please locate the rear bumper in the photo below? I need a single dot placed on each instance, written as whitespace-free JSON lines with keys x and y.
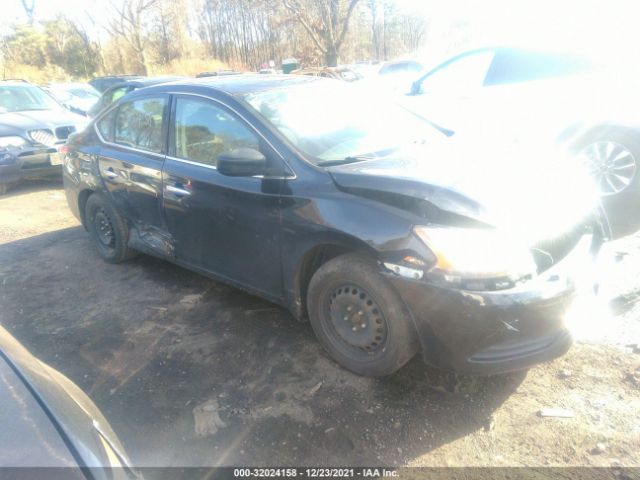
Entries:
{"x":491,"y":332}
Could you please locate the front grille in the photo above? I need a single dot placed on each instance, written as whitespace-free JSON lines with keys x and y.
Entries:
{"x":547,"y":253}
{"x":63,"y":132}
{"x":43,"y":136}
{"x":47,"y":137}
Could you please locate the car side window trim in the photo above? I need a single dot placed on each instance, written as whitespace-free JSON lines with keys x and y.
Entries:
{"x":171,"y":133}
{"x":452,"y":60}
{"x":165,"y":126}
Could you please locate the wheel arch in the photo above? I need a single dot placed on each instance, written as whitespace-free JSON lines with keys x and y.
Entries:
{"x":83,"y":196}
{"x":578,"y":134}
{"x":313,"y":258}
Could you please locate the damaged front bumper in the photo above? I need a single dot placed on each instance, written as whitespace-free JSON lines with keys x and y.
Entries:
{"x":28,"y":163}
{"x":491,"y":332}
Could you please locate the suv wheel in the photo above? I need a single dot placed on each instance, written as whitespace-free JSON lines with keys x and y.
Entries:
{"x":108,"y":230}
{"x":612,"y":158}
{"x":359,"y":318}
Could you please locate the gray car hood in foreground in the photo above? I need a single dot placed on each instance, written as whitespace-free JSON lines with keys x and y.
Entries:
{"x":47,"y":421}
{"x":535,"y":194}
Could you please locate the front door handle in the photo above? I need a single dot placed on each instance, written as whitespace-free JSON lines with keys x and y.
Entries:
{"x":180,"y":192}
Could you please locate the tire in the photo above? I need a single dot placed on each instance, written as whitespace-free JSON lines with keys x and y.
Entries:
{"x":108,"y":230}
{"x":621,"y":207}
{"x":377,"y":336}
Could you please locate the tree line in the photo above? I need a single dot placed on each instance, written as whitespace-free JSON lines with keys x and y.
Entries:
{"x":188,"y":36}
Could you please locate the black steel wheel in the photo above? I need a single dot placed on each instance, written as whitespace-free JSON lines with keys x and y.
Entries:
{"x":108,"y":229}
{"x":104,"y":229}
{"x":359,"y":318}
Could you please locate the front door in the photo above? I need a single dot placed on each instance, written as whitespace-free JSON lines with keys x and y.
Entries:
{"x":228,"y":226}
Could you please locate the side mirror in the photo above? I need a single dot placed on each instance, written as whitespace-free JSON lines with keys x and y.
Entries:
{"x":242,"y":162}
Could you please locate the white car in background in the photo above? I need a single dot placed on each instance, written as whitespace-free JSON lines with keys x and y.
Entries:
{"x":77,"y":97}
{"x":543,"y":97}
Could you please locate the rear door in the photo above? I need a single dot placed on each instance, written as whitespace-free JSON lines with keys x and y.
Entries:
{"x":228,"y":226}
{"x":131,"y":157}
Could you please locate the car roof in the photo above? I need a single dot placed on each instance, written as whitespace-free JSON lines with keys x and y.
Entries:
{"x":244,"y":84}
{"x":148,"y":81}
{"x":17,"y":83}
{"x":124,"y":75}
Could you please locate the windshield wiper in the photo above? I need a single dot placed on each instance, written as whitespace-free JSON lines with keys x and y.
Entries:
{"x":346,"y":160}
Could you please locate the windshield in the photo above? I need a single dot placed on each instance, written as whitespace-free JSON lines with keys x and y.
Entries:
{"x":330,"y":121}
{"x":19,"y":98}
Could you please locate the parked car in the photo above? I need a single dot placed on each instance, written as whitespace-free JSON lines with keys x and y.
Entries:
{"x":32,"y":128}
{"x":303,"y":191}
{"x":49,"y":423}
{"x":77,"y":97}
{"x":337,"y":73}
{"x":515,"y":94}
{"x":101,"y":84}
{"x":400,"y":66}
{"x":218,"y":73}
{"x":120,"y":89}
{"x":396,"y":76}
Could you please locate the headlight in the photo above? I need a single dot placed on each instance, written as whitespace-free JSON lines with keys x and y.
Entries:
{"x":472,"y":255}
{"x":12,"y":142}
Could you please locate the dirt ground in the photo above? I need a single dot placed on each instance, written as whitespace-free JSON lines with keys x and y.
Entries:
{"x":190,"y":372}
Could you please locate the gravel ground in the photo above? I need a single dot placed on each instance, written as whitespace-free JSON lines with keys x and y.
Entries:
{"x":191,"y":372}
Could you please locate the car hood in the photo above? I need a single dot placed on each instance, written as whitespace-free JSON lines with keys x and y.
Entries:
{"x":534,"y":194}
{"x":74,"y":414}
{"x":12,"y":123}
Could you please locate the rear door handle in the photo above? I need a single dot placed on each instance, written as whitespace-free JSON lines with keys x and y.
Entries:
{"x":177,"y":190}
{"x":109,"y":173}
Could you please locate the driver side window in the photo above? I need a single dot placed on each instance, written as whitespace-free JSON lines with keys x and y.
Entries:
{"x":203,"y":130}
{"x":459,"y":76}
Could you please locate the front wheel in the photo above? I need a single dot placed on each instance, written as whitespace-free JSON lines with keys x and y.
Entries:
{"x":613,"y":161}
{"x":359,"y":318}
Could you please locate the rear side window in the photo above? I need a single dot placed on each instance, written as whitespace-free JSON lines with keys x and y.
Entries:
{"x":139,"y":124}
{"x":204,"y":130}
{"x":106,"y":125}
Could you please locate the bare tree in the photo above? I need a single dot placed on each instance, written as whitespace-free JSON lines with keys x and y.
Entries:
{"x":129,"y":25}
{"x":375,"y":32}
{"x":326,"y":22}
{"x":29,"y":9}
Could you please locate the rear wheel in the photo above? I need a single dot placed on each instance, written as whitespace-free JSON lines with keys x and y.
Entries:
{"x":359,"y":318}
{"x":108,"y":229}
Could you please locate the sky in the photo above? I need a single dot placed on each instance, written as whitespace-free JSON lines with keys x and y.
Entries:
{"x":608,"y":26}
